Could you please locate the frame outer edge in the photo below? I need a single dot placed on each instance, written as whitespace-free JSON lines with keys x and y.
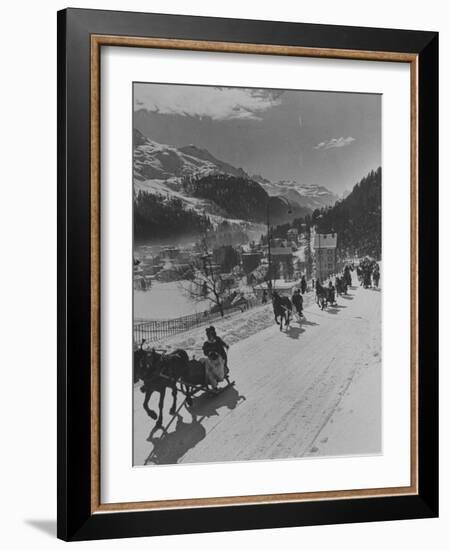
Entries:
{"x":428,"y":167}
{"x":71,"y":525}
{"x":96,"y":42}
{"x":61,"y":279}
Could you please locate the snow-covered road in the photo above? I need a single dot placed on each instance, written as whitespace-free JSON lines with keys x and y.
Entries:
{"x":312,"y":391}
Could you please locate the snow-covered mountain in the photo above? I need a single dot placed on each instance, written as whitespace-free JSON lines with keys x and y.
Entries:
{"x":154,"y":160}
{"x":309,"y":196}
{"x":158,"y":168}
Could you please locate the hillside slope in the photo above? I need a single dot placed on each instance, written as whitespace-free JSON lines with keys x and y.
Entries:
{"x":357,"y":218}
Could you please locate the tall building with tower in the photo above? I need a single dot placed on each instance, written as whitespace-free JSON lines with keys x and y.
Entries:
{"x":324,"y":246}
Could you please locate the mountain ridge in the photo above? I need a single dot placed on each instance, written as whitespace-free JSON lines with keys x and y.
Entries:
{"x":156,"y":161}
{"x":356,"y":218}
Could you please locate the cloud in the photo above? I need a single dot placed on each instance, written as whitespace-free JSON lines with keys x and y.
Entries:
{"x":204,"y":101}
{"x":334,"y":143}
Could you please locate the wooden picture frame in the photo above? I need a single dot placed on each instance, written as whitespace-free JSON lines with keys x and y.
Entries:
{"x":81,"y":35}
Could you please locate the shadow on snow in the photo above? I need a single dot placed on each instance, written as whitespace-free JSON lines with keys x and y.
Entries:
{"x":170,"y":447}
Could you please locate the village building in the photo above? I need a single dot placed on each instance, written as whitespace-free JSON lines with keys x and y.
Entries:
{"x":282,"y":261}
{"x":258,"y":275}
{"x":170,"y":253}
{"x":173,"y":272}
{"x":292,"y":235}
{"x":227,"y":281}
{"x":250,"y":261}
{"x":324,"y":246}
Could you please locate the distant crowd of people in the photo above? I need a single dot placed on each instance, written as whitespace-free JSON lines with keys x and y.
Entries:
{"x":368,"y":272}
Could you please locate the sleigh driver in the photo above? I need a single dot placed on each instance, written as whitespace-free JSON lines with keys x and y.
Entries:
{"x":214,"y":349}
{"x":297,"y":300}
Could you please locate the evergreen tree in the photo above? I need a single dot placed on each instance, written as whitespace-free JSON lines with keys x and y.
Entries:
{"x":356,"y":219}
{"x":159,"y":217}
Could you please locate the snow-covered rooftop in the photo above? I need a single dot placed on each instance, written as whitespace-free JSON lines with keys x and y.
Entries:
{"x":325,"y":240}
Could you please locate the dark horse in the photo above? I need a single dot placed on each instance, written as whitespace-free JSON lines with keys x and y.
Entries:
{"x":159,"y":371}
{"x":282,"y":309}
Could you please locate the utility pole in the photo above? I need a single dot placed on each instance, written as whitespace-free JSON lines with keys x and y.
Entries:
{"x":269,"y":255}
{"x":320,"y":261}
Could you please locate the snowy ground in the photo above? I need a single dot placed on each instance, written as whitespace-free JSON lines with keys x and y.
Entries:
{"x":312,"y":391}
{"x":166,"y":301}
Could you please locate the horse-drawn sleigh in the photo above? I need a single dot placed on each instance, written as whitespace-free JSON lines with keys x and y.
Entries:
{"x":161,"y":371}
{"x":285,"y":310}
{"x":325,"y":296}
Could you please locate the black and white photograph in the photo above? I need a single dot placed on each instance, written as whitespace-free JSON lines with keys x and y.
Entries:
{"x":257,"y":266}
{"x":225,"y":219}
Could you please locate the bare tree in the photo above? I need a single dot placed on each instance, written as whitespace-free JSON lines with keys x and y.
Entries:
{"x":205,"y":281}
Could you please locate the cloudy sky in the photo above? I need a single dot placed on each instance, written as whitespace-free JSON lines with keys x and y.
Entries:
{"x":322,"y":138}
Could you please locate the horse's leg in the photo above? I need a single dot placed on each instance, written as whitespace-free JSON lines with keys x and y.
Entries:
{"x":276,"y":320}
{"x":188,"y":396}
{"x":227,"y":374}
{"x":173,"y":408}
{"x":162,"y":394}
{"x":281,"y":321}
{"x":149,"y":411}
